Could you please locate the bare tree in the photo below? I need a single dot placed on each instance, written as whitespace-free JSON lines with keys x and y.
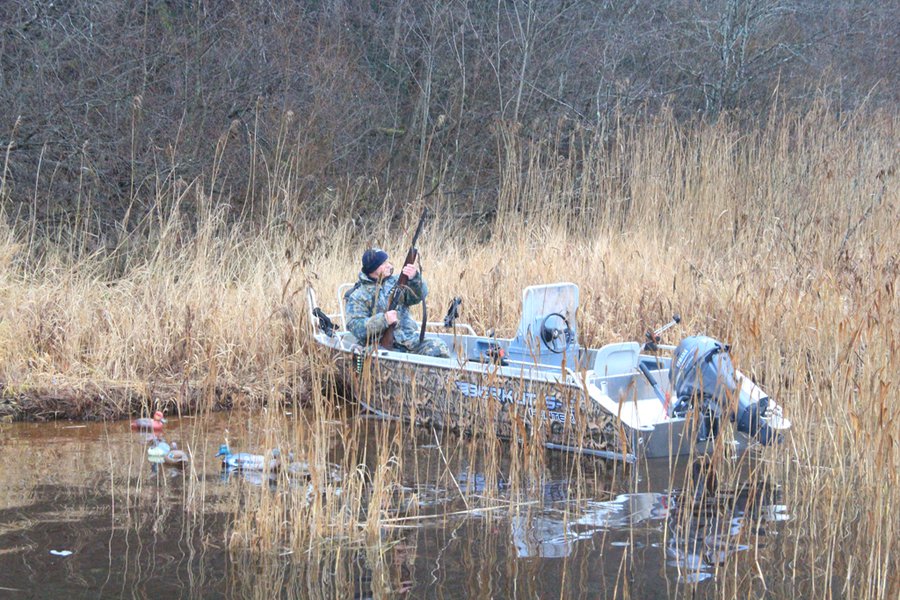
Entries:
{"x":104,"y":102}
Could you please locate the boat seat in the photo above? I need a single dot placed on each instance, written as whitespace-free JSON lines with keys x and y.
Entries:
{"x":617,"y":359}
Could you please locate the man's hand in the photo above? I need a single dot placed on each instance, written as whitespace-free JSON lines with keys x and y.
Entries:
{"x":410,"y":270}
{"x":391,"y":317}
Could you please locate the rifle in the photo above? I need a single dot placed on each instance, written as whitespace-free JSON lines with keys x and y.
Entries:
{"x":387,"y":338}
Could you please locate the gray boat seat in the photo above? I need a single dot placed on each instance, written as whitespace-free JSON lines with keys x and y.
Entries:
{"x":617,"y":359}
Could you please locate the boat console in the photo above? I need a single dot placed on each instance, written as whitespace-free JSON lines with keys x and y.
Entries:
{"x":548,"y":329}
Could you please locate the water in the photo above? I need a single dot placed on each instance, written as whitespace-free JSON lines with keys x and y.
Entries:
{"x":139,"y":530}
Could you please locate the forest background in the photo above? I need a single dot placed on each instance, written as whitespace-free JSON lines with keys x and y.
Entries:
{"x":104,"y":103}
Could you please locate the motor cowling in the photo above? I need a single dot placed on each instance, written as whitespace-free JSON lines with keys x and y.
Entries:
{"x":702,"y":367}
{"x":703,"y":376}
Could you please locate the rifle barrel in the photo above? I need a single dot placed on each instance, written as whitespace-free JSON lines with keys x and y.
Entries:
{"x":387,"y":338}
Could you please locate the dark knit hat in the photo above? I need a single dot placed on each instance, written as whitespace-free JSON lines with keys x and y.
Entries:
{"x":372,"y":259}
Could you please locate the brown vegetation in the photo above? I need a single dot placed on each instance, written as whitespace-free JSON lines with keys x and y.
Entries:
{"x":175,"y":174}
{"x":782,"y":242}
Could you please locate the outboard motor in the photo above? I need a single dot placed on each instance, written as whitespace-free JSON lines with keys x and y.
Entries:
{"x":703,"y":376}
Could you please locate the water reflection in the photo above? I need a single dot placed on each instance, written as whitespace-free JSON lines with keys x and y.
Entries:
{"x":137,"y":527}
{"x":553,"y":531}
{"x":697,"y":534}
{"x":704,"y":532}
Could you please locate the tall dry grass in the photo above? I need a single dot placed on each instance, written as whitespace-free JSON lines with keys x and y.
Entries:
{"x":782,"y":241}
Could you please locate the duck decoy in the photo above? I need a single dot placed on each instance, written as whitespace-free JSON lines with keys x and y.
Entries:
{"x":158,"y":449}
{"x":302,"y":470}
{"x":244,"y":461}
{"x":176,"y":457}
{"x":144,"y":424}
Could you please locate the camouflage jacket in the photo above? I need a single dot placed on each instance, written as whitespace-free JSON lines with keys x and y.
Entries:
{"x":367,"y":302}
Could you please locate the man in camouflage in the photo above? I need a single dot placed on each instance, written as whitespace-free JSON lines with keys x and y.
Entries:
{"x":367,"y":303}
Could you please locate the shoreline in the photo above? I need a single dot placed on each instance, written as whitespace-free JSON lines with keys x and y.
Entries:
{"x":90,"y":400}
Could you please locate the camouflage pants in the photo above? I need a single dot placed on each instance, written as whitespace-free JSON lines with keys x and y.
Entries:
{"x":428,"y":347}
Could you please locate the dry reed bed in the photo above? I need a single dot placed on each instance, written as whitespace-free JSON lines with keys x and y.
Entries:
{"x":782,"y":241}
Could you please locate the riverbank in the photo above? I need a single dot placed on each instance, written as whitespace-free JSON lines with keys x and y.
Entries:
{"x":53,"y":398}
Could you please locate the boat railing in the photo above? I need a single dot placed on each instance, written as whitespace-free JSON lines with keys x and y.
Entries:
{"x":469,"y":330}
{"x":311,"y":303}
{"x":666,"y":347}
{"x":342,"y":289}
{"x":572,"y":376}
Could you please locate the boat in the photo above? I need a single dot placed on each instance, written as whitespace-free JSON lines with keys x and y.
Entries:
{"x":621,"y":401}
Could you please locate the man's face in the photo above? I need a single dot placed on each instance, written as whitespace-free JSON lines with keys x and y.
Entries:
{"x":383,"y":272}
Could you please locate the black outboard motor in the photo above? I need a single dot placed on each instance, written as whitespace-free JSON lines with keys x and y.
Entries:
{"x":702,"y":375}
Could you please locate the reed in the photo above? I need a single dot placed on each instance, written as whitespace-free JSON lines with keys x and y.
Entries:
{"x":781,"y":240}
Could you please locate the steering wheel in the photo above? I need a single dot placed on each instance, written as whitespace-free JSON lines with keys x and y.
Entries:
{"x":554,"y":338}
